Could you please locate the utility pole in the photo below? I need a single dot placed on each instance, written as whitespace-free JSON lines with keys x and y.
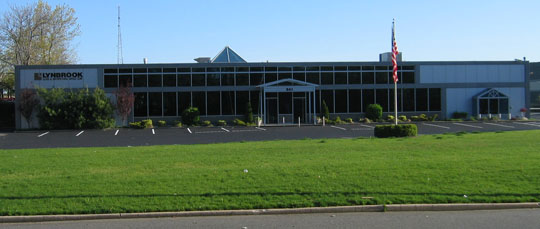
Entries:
{"x":120,"y":56}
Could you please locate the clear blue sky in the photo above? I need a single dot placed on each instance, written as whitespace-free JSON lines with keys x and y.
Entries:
{"x":285,"y":30}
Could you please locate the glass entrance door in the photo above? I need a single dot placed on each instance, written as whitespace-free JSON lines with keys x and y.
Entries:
{"x":271,"y":110}
{"x":299,"y":110}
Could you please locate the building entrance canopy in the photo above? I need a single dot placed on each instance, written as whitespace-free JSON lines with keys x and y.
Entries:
{"x":288,"y":101}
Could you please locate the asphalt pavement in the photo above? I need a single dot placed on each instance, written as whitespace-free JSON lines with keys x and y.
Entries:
{"x":516,"y":218}
{"x":126,"y":137}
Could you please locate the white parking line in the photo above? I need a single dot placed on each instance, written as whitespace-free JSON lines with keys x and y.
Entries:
{"x":367,"y":126}
{"x":189,"y":130}
{"x":39,"y":136}
{"x":260,"y":128}
{"x":153,"y":132}
{"x":116,"y":132}
{"x":361,"y":128}
{"x":210,"y":132}
{"x":79,"y":133}
{"x":337,"y":127}
{"x":225,"y":129}
{"x":495,"y":124}
{"x":245,"y":131}
{"x":528,"y":124}
{"x":427,"y":124}
{"x":461,"y":124}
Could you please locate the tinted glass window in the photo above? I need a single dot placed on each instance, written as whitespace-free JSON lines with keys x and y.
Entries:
{"x":256,"y":69}
{"x":270,"y":69}
{"x":299,"y":69}
{"x":407,"y":77}
{"x":340,"y":68}
{"x":254,"y":97}
{"x":327,"y":68}
{"x":184,"y":69}
{"x":408,"y":99}
{"x":198,"y":69}
{"x":242,"y":79}
{"x":139,"y":80}
{"x":140,"y":104}
{"x":285,"y":102}
{"x":169,"y":103}
{"x":140,"y":70}
{"x":214,"y":106}
{"x":184,"y":80}
{"x":434,"y":99}
{"x":242,"y":98}
{"x":391,"y":100}
{"x":154,"y":80}
{"x":173,"y":70}
{"x":112,"y":70}
{"x":154,"y":70}
{"x":125,"y":70}
{"x":355,"y":100}
{"x":328,"y":97}
{"x":256,"y":79}
{"x":212,"y":79}
{"x":299,"y":76}
{"x":125,"y":80}
{"x":368,"y":77}
{"x":199,"y":101}
{"x":382,"y":98}
{"x":327,"y":78}
{"x":284,"y":75}
{"x":198,"y":80}
{"x":421,"y":99}
{"x":284,"y":69}
{"x":368,"y":97}
{"x":242,"y":69}
{"x":184,"y":101}
{"x":341,"y":78}
{"x":270,"y":77}
{"x":227,"y":103}
{"x":110,"y":81}
{"x":313,"y":68}
{"x":154,"y":100}
{"x":313,"y":77}
{"x":341,"y":101}
{"x":381,"y":77}
{"x":227,"y":69}
{"x":169,"y":80}
{"x":355,"y":78}
{"x":227,"y":79}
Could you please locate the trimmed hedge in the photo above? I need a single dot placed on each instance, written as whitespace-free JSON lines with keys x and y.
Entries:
{"x":402,"y":130}
{"x":374,"y":112}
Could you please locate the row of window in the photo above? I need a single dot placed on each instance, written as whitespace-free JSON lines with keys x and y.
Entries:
{"x":493,"y":106}
{"x":255,"y":69}
{"x":235,"y":102}
{"x":253,"y":79}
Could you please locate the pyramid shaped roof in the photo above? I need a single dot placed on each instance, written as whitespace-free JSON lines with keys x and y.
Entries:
{"x":227,"y":55}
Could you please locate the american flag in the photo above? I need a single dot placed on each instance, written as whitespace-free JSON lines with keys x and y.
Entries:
{"x":394,"y":54}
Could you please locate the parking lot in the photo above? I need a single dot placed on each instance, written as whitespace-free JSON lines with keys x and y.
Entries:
{"x":201,"y":135}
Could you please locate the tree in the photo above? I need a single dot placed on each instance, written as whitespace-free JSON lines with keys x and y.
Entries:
{"x":36,"y":34}
{"x":124,"y":101}
{"x":28,"y":101}
{"x":324,"y":111}
{"x":249,"y":113}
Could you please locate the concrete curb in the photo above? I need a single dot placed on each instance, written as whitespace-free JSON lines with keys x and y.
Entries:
{"x":360,"y":208}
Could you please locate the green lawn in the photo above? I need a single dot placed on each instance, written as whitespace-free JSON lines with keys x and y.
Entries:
{"x":487,"y":167}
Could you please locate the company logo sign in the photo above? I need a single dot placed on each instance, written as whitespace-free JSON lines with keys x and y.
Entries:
{"x":58,"y":76}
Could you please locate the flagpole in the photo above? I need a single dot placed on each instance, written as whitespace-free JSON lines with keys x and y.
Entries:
{"x":395,"y":54}
{"x":395,"y":102}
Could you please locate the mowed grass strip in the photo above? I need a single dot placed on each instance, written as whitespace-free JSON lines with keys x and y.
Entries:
{"x":450,"y":168}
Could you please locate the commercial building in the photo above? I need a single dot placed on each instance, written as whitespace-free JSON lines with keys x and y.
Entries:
{"x":285,"y":92}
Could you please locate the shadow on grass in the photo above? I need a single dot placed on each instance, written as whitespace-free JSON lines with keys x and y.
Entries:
{"x":268,"y":194}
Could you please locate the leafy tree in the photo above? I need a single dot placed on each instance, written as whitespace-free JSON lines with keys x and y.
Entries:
{"x":28,"y":101}
{"x":124,"y":101}
{"x":36,"y":34}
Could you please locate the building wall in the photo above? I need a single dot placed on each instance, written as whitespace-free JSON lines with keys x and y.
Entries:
{"x":472,"y":73}
{"x":461,"y":99}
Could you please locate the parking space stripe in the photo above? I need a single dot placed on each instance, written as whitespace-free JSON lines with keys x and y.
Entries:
{"x":528,"y":124}
{"x":260,"y":128}
{"x":39,"y":136}
{"x":461,"y":124}
{"x":367,"y":126}
{"x":245,"y":130}
{"x":225,"y":129}
{"x":79,"y":133}
{"x":116,"y":132}
{"x":189,"y":130}
{"x":427,"y":124}
{"x":337,"y":127}
{"x":153,"y":132}
{"x":495,"y":124}
{"x":210,"y":132}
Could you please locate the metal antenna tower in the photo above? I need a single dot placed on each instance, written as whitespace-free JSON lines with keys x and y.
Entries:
{"x":120,"y":56}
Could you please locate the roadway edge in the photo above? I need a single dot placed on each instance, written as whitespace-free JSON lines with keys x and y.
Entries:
{"x":359,"y":208}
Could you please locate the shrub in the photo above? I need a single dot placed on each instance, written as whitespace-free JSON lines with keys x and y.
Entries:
{"x":338,"y":120}
{"x":460,"y":115}
{"x":374,"y":112}
{"x":190,"y":116}
{"x":421,"y":117}
{"x":433,"y":118}
{"x":239,"y":122}
{"x":136,"y":125}
{"x":221,"y":123}
{"x":495,"y":118}
{"x":77,"y":109}
{"x":349,"y":120}
{"x":324,"y":111}
{"x":390,"y":118}
{"x":147,"y":123}
{"x":366,"y":120}
{"x":177,"y":123}
{"x":402,"y":130}
{"x":402,"y":118}
{"x":206,"y":123}
{"x":161,"y":123}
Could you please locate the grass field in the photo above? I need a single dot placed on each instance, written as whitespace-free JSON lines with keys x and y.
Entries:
{"x":486,"y":167}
